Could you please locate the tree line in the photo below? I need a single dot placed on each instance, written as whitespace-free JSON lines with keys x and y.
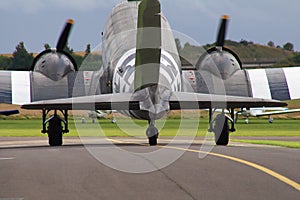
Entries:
{"x":21,"y":59}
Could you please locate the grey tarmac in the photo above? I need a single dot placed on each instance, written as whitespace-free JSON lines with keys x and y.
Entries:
{"x":71,"y":172}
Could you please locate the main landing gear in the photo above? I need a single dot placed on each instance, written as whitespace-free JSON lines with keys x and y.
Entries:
{"x":221,"y":130}
{"x":55,"y":129}
{"x":220,"y":126}
{"x":152,"y":133}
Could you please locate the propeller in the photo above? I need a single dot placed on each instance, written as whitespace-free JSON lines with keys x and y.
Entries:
{"x":63,"y":39}
{"x":219,"y":54}
{"x":222,"y":31}
{"x":56,"y":63}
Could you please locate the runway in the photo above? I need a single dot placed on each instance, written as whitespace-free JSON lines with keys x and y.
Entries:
{"x":71,"y":172}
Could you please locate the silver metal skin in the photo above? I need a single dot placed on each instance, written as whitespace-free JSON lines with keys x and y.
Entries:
{"x":142,"y":76}
{"x":54,"y":65}
{"x":119,"y":45}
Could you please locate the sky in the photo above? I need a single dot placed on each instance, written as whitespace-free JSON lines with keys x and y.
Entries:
{"x":36,"y":22}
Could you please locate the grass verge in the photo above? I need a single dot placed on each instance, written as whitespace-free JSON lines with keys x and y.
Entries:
{"x":288,"y":144}
{"x":169,"y":127}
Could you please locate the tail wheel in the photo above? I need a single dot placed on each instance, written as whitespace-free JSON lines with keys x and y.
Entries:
{"x":153,"y":140}
{"x":221,"y":130}
{"x":152,"y":133}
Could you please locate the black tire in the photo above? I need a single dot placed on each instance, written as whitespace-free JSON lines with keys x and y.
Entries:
{"x":221,"y":130}
{"x":152,"y":133}
{"x":153,"y":140}
{"x":55,"y":132}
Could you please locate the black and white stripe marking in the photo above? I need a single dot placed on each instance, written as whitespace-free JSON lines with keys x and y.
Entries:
{"x":278,"y":83}
{"x":15,"y":87}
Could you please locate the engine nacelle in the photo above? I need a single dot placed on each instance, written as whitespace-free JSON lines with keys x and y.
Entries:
{"x":54,"y":64}
{"x":222,"y":63}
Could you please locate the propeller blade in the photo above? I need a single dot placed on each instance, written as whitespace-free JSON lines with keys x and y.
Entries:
{"x":222,"y":31}
{"x":63,"y":39}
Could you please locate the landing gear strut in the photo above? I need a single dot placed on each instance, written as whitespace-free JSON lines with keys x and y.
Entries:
{"x":55,"y":129}
{"x":152,"y":133}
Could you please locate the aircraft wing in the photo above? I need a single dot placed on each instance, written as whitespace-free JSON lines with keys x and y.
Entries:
{"x":277,"y":112}
{"x":184,"y":100}
{"x":121,"y":101}
{"x":127,"y":101}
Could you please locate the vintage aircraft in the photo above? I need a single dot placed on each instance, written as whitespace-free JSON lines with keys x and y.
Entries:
{"x":264,"y":111}
{"x":101,"y":114}
{"x":260,"y":112}
{"x":142,"y":77}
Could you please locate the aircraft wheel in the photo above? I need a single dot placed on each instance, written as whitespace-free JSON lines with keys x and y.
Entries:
{"x":55,"y":132}
{"x":221,"y":130}
{"x":152,"y":134}
{"x":153,"y":140}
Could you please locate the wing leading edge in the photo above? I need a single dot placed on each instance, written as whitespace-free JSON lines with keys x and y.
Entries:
{"x":127,"y":101}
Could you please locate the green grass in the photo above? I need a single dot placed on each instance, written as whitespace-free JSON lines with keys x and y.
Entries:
{"x":17,"y":128}
{"x":124,"y":128}
{"x":128,"y":127}
{"x":169,"y":127}
{"x":262,"y":128}
{"x":288,"y":144}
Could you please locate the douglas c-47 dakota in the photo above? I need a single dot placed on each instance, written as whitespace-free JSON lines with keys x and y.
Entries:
{"x":142,"y":77}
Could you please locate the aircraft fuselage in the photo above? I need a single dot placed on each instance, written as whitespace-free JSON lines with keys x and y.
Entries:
{"x":120,"y":47}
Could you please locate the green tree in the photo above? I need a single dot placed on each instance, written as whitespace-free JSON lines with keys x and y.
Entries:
{"x":5,"y":62}
{"x":93,"y":62}
{"x":245,"y":42}
{"x":178,"y":44}
{"x":78,"y":59}
{"x":288,"y":46}
{"x":271,"y":44}
{"x":47,"y":46}
{"x":291,"y":60}
{"x":68,"y":49}
{"x":21,"y":59}
{"x":87,"y":50}
{"x":186,"y":45}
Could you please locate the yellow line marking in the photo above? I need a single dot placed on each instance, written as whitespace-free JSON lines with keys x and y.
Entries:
{"x":250,"y":164}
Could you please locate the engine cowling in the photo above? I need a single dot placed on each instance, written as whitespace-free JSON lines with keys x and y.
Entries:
{"x":220,"y":62}
{"x":54,"y":64}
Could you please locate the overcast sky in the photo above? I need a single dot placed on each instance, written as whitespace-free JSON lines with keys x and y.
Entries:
{"x":37,"y":22}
